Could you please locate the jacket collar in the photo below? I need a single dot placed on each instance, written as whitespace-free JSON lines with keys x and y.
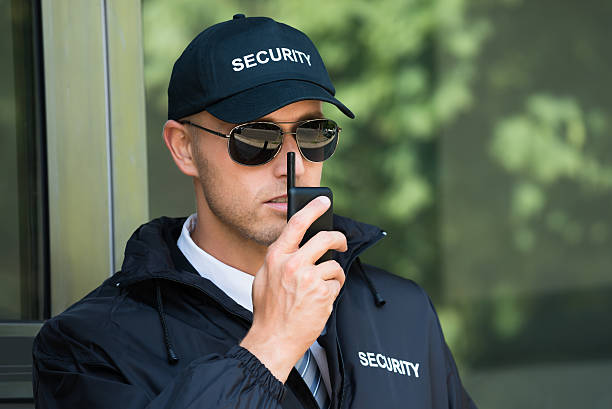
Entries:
{"x":152,"y":252}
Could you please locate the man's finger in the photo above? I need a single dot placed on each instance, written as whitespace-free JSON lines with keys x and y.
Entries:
{"x":314,"y":248}
{"x":292,"y":234}
{"x":333,"y":287}
{"x":331,"y":270}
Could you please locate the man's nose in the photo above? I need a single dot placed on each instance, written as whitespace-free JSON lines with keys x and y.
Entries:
{"x":289,"y":145}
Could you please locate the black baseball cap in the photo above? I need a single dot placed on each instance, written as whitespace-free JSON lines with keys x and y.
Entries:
{"x":242,"y":69}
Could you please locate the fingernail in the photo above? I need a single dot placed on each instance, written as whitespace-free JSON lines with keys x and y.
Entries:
{"x":325,"y":200}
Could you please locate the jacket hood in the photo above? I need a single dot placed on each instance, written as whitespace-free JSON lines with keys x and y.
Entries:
{"x":152,"y":252}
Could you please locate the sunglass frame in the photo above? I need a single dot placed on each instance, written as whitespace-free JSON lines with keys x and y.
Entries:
{"x":282,"y":133}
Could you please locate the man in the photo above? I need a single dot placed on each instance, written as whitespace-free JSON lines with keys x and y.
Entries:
{"x":225,"y":309}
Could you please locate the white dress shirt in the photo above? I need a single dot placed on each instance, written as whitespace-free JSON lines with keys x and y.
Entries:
{"x":237,"y":284}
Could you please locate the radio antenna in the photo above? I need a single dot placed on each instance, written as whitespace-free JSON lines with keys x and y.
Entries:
{"x":290,"y":170}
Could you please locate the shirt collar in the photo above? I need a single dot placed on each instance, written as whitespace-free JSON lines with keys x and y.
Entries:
{"x":237,"y":284}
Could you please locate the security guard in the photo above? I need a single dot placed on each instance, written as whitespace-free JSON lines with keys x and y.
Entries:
{"x":225,"y":309}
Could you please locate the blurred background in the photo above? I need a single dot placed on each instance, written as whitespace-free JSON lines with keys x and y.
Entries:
{"x":481,"y":144}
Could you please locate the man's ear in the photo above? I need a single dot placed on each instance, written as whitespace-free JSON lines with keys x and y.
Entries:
{"x":180,"y":144}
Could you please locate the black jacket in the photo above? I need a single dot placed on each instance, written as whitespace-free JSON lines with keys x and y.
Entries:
{"x":158,"y":335}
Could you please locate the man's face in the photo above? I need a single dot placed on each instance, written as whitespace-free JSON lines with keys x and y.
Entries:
{"x":251,"y":201}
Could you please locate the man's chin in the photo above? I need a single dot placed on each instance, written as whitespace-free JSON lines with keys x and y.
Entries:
{"x":267,"y":230}
{"x":265,"y":238}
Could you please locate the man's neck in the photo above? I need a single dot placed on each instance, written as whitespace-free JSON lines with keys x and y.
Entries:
{"x":227,"y":245}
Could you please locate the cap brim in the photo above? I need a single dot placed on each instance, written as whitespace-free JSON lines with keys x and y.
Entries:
{"x":259,"y":101}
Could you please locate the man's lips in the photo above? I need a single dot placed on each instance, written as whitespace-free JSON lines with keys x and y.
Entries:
{"x":278,"y":203}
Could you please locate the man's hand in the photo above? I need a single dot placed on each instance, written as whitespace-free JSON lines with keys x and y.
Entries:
{"x":293,"y":297}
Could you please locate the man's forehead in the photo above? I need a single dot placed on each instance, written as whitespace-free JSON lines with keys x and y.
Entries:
{"x":296,"y":111}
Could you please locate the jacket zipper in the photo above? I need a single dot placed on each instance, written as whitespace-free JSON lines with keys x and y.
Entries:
{"x":357,"y":254}
{"x":349,"y":264}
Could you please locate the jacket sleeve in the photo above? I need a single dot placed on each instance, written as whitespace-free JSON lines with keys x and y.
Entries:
{"x":236,"y":380}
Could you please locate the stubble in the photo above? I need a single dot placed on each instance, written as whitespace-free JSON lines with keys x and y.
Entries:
{"x":238,"y":216}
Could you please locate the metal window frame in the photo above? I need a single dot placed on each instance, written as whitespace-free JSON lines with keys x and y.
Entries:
{"x":94,"y":114}
{"x":95,"y":140}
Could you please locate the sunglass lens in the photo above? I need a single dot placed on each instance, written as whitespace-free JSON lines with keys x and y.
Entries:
{"x":317,"y":139}
{"x":255,"y":143}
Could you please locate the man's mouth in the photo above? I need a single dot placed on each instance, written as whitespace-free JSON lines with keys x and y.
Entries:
{"x":278,"y":203}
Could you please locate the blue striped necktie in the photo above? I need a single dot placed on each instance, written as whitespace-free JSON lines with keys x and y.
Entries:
{"x":309,"y":370}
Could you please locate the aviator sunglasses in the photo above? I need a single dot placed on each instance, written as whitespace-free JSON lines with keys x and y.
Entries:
{"x":257,"y":143}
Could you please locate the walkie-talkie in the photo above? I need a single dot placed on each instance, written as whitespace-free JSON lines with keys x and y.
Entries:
{"x":298,"y":197}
